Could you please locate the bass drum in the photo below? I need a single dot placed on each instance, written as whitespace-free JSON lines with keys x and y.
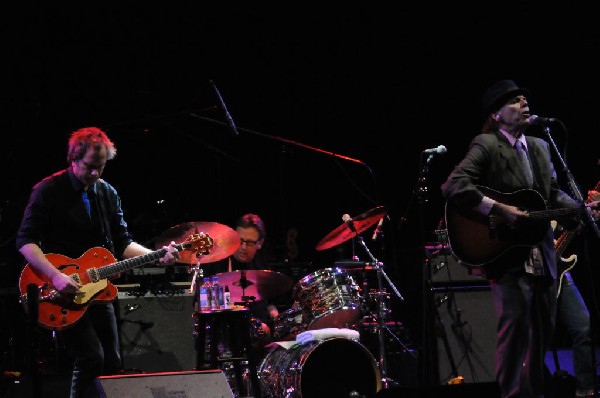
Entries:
{"x":336,"y":367}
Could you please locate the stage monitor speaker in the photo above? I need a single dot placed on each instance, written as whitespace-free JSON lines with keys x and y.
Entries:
{"x":468,"y":320}
{"x":156,"y":332}
{"x":200,"y":384}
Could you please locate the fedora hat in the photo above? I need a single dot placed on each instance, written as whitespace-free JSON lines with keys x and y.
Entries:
{"x":497,"y":95}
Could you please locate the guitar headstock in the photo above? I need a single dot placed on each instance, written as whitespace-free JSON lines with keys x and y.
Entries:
{"x":200,"y":243}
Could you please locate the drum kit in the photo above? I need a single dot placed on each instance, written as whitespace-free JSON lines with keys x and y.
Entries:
{"x":327,"y":298}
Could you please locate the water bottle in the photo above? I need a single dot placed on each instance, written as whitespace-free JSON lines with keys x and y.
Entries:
{"x":227,"y":297}
{"x":218,"y":294}
{"x":205,"y":294}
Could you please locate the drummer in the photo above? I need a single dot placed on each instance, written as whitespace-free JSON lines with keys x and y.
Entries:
{"x":249,"y":256}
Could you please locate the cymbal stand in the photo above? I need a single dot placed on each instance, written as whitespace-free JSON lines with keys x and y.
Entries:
{"x":244,"y":283}
{"x":196,"y":282}
{"x":381,"y":310}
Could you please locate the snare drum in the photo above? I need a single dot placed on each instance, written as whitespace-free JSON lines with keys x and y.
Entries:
{"x":330,"y":298}
{"x":289,"y":323}
{"x":336,"y":367}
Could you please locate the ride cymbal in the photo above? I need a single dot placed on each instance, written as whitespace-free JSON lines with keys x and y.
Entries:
{"x":343,"y":233}
{"x":225,"y":241}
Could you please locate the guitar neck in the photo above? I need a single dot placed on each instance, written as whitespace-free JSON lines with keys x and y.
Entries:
{"x":565,"y":238}
{"x":124,"y":265}
{"x":552,"y":214}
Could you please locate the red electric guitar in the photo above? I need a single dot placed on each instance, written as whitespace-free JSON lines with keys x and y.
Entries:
{"x":59,"y":311}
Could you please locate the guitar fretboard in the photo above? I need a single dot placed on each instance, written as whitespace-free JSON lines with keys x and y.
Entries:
{"x":124,"y":265}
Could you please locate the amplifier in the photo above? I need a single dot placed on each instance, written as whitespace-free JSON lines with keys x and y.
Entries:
{"x":156,"y":330}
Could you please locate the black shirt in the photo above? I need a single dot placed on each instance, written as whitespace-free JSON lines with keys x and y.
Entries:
{"x":56,"y":218}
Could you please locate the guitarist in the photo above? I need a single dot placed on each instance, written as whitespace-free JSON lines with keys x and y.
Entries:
{"x":523,"y":280}
{"x":573,"y":313}
{"x":68,"y":213}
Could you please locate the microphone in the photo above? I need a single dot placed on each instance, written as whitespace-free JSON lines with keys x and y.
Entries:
{"x":349,"y":222}
{"x":230,"y":122}
{"x":542,"y":121}
{"x":439,"y":150}
{"x":378,"y":231}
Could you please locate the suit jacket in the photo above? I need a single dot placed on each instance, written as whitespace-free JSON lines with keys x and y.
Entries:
{"x":492,"y":162}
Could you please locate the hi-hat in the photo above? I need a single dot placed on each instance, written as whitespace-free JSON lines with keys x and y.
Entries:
{"x":225,"y":241}
{"x":343,"y":233}
{"x":258,"y":284}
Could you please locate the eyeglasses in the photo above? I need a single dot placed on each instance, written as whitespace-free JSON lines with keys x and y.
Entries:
{"x":248,"y":242}
{"x":91,"y":167}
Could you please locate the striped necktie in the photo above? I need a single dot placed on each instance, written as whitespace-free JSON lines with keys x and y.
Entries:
{"x":524,"y":160}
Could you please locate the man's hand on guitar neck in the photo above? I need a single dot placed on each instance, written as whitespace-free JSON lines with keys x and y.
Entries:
{"x":171,"y":254}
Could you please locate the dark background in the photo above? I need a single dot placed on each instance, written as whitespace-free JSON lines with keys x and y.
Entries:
{"x":378,"y":84}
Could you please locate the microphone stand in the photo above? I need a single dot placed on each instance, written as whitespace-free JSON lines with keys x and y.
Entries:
{"x":590,"y":222}
{"x":378,"y":266}
{"x":286,"y":141}
{"x":33,"y":300}
{"x":431,"y":324}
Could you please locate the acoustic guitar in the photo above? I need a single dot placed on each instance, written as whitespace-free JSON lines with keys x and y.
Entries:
{"x":477,"y":240}
{"x":57,"y":311}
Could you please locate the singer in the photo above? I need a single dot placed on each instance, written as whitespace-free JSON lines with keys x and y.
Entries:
{"x":523,"y":279}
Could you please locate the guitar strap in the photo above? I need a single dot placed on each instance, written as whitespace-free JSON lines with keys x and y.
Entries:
{"x":103,"y":220}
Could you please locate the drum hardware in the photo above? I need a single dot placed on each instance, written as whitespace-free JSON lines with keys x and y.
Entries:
{"x":352,"y":228}
{"x":253,"y":285}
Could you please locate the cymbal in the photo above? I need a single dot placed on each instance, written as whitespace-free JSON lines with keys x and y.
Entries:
{"x":225,"y":241}
{"x":260,"y":284}
{"x":343,"y":233}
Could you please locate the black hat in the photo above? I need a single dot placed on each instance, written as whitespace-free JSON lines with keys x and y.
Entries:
{"x":499,"y":93}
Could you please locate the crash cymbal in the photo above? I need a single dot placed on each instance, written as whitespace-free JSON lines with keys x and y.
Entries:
{"x":225,"y":241}
{"x":260,"y":284}
{"x":343,"y":233}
